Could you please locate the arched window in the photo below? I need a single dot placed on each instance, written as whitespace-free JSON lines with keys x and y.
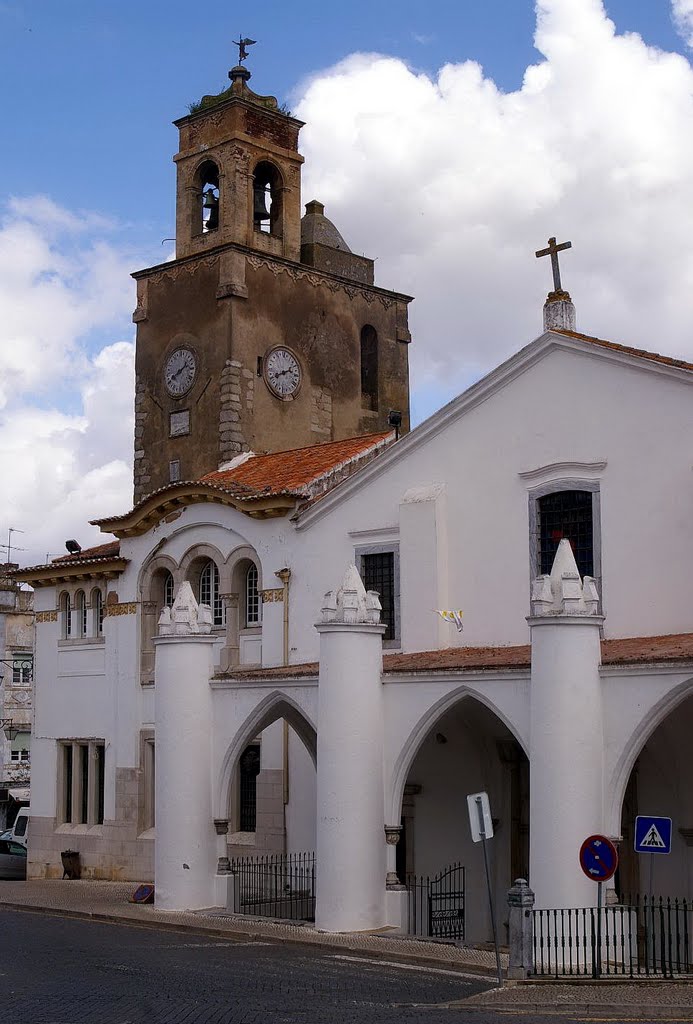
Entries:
{"x":81,"y":608}
{"x":65,"y":616}
{"x":267,"y":199}
{"x":369,"y":367}
{"x":97,"y":612}
{"x":253,"y":607}
{"x":209,"y":592}
{"x":168,"y":588}
{"x":208,"y":195}
{"x":249,"y":768}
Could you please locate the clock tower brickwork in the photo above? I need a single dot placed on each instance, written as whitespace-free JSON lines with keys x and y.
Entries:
{"x":252,"y":279}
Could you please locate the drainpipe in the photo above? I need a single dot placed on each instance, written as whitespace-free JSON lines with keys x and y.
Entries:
{"x":285,"y":575}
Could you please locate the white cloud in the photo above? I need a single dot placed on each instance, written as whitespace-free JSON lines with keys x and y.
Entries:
{"x":452,"y":184}
{"x":682,"y":11}
{"x":65,"y":411}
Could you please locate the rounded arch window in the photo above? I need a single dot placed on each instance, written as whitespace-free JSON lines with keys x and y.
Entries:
{"x":267,"y":199}
{"x":81,"y":609}
{"x":97,"y":611}
{"x":209,"y":592}
{"x":207,"y":191}
{"x":65,"y":615}
{"x":253,"y":604}
{"x":169,"y":588}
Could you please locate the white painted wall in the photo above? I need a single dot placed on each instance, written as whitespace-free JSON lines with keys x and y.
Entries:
{"x":300,"y":810}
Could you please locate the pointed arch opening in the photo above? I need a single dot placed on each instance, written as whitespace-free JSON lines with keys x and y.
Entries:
{"x":462,"y":745}
{"x":267,"y":780}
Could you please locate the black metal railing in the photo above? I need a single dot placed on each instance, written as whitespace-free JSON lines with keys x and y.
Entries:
{"x":643,"y":935}
{"x":275,"y":885}
{"x":436,"y":906}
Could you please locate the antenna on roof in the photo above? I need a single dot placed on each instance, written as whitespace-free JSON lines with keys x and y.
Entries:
{"x":9,"y":546}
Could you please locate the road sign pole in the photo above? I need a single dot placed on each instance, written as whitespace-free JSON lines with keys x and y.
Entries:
{"x":600,"y":903}
{"x":490,"y":906}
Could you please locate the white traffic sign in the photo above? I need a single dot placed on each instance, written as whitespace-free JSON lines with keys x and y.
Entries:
{"x":480,"y":821}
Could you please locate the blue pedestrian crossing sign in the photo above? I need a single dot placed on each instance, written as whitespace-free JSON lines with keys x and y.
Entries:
{"x":652,"y":835}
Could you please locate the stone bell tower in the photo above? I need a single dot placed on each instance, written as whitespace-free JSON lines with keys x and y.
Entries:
{"x":265,"y":332}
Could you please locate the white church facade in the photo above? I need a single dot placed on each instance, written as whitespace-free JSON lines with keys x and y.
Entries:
{"x":276,"y":718}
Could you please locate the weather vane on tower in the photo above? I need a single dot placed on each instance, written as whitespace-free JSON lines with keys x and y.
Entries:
{"x":243,"y":45}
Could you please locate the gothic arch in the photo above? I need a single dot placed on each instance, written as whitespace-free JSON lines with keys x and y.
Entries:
{"x":421,"y":730}
{"x":651,"y":719}
{"x":275,"y":705}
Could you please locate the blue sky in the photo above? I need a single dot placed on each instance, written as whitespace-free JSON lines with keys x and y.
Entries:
{"x":449,"y":140}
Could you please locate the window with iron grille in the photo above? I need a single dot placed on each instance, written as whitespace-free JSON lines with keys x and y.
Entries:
{"x":249,"y":768}
{"x":22,"y":670}
{"x":566,"y":514}
{"x":209,"y":592}
{"x":81,"y":782}
{"x":378,"y":573}
{"x":252,"y":597}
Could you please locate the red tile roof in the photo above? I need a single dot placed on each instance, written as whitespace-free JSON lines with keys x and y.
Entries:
{"x":641,"y":353}
{"x":299,"y":471}
{"x":110,"y":550}
{"x":629,"y":651}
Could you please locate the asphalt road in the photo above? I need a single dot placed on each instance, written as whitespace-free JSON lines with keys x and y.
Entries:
{"x":57,"y":970}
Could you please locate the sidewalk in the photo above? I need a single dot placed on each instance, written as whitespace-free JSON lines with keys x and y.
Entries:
{"x":616,"y":1000}
{"x":108,"y":901}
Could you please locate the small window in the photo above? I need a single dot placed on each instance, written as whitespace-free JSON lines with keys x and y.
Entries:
{"x":249,"y":768}
{"x":82,"y":782}
{"x":81,"y":609}
{"x":174,"y":471}
{"x":209,"y":592}
{"x":66,"y":616}
{"x":22,"y":670}
{"x":378,"y":573}
{"x":252,"y":597}
{"x":169,"y":587}
{"x":369,"y":367}
{"x":566,"y":514}
{"x":97,"y":611}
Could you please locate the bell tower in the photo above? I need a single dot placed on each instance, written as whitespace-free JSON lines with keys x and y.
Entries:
{"x":265,"y":332}
{"x":239,"y":174}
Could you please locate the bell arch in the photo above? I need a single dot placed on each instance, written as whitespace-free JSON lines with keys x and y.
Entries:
{"x":206,"y":197}
{"x":268,"y":193}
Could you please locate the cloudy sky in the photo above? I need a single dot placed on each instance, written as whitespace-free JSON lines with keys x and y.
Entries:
{"x":448,"y":140}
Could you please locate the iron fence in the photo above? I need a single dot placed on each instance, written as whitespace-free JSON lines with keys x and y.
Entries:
{"x":275,"y":885}
{"x":436,"y":906}
{"x":642,"y":936}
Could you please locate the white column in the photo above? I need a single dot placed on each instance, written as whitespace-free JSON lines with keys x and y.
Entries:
{"x":566,"y":754}
{"x":350,"y":848}
{"x":185,"y":845}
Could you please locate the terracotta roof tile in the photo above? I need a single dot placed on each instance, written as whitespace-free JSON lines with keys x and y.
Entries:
{"x":630,"y":650}
{"x":641,"y":353}
{"x":110,"y":550}
{"x":298,"y":470}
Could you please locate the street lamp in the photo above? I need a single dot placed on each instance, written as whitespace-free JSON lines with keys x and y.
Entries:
{"x":9,"y":728}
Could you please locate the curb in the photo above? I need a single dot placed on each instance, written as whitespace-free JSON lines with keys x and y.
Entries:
{"x":254,"y":935}
{"x":613,"y":1011}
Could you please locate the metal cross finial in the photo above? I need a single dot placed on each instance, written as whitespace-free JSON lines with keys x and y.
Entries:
{"x":243,"y":45}
{"x":553,"y":251}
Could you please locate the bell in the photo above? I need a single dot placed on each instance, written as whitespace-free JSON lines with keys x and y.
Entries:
{"x":260,"y":211}
{"x":210,"y":201}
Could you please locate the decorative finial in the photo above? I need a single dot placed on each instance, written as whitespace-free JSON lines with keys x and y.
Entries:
{"x":243,"y":45}
{"x":553,"y":251}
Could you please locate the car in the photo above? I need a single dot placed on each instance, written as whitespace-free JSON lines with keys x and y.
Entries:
{"x":12,"y":859}
{"x":6,"y":835}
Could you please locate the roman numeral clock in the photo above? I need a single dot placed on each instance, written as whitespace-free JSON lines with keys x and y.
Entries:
{"x":282,"y":373}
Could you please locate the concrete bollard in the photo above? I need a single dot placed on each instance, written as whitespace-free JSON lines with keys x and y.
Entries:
{"x":521,"y":930}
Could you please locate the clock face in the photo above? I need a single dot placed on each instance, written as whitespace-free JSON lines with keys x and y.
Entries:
{"x":179,"y":372}
{"x":282,"y":373}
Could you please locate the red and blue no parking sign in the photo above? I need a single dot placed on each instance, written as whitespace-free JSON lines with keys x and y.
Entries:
{"x":598,"y":858}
